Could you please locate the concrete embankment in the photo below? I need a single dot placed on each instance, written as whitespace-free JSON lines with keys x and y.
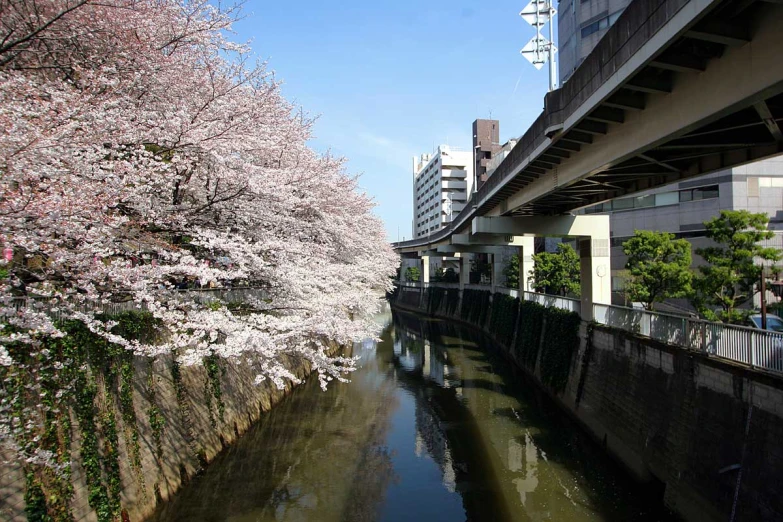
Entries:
{"x":706,"y":433}
{"x":154,"y":432}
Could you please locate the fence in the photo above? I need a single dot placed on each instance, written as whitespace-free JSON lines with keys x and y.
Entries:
{"x":555,"y":301}
{"x":756,"y":348}
{"x":751,"y":346}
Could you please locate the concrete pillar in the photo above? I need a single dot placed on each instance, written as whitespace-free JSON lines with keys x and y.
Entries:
{"x":497,"y":270}
{"x":525,"y":253}
{"x":595,"y":274}
{"x":464,"y":271}
{"x":425,"y":270}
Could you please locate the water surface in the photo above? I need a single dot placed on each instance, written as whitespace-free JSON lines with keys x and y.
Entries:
{"x":435,"y":426}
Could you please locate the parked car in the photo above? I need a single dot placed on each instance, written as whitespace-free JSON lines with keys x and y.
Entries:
{"x":769,"y":348}
{"x":774,"y":323}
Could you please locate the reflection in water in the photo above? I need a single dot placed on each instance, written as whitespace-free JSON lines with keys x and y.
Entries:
{"x":434,"y":426}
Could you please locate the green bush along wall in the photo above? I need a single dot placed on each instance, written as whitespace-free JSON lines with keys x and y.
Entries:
{"x":504,"y":317}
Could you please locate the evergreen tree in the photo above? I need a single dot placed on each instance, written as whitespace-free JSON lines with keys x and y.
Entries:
{"x":658,"y":266}
{"x":556,"y":273}
{"x":729,"y":278}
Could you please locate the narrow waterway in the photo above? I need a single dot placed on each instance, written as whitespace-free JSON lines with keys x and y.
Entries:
{"x":435,"y":426}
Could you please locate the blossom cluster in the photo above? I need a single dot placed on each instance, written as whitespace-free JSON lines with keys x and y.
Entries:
{"x":145,"y":157}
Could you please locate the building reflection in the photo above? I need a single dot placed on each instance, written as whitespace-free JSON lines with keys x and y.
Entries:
{"x":420,"y":358}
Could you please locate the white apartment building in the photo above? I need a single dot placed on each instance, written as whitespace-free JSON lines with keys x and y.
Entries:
{"x":442,"y":184}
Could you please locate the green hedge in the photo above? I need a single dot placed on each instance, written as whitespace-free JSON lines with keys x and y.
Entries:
{"x":503,"y":319}
{"x":410,"y":296}
{"x":559,"y":343}
{"x":531,"y":320}
{"x":435,"y":298}
{"x":475,"y":307}
{"x":452,"y":302}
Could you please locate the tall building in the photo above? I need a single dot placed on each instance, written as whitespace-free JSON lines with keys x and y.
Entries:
{"x":486,"y":143}
{"x":580,"y":25}
{"x":442,"y":183}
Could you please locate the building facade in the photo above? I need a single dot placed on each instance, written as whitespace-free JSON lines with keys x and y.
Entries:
{"x":442,"y":184}
{"x":580,"y":25}
{"x":682,"y":208}
{"x":486,"y":144}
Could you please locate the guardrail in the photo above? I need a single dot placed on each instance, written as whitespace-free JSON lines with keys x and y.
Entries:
{"x":760,"y":349}
{"x":555,"y":301}
{"x":751,"y":346}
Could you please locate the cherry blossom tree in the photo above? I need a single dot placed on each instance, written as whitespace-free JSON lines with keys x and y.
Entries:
{"x":142,"y":151}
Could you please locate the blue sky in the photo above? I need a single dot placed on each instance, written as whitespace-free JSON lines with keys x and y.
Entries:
{"x":391,"y":79}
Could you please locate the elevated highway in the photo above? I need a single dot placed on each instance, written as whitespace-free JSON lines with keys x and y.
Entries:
{"x":675,"y":89}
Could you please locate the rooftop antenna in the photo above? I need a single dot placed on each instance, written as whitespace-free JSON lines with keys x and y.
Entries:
{"x":539,"y":50}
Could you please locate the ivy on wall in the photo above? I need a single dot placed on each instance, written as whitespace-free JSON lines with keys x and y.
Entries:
{"x":84,"y":376}
{"x":154,"y":415}
{"x":558,"y":347}
{"x":548,"y":334}
{"x":213,"y":393}
{"x":530,"y":323}
{"x":475,"y":307}
{"x":435,"y":299}
{"x":503,"y":318}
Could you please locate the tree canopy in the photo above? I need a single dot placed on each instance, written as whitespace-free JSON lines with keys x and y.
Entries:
{"x":556,"y":272}
{"x":658,"y":267}
{"x":141,"y":151}
{"x":511,"y":271}
{"x":729,"y":277}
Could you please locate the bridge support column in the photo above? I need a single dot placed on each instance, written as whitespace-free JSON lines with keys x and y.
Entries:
{"x":593,"y":231}
{"x":425,"y":270}
{"x":595,"y":278}
{"x":525,"y":253}
{"x":464,"y":272}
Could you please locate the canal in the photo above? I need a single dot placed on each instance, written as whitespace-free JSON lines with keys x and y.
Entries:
{"x":435,"y":426}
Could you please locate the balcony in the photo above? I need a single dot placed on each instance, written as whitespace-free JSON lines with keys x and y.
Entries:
{"x":454,"y":173}
{"x":454,"y":184}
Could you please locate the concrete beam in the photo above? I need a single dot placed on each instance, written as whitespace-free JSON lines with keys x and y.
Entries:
{"x":486,"y":240}
{"x":470,"y":249}
{"x":696,"y":100}
{"x":549,"y":226}
{"x":594,"y":247}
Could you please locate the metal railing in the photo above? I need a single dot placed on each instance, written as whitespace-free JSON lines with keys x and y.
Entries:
{"x":555,"y":301}
{"x":751,"y":346}
{"x":760,"y":349}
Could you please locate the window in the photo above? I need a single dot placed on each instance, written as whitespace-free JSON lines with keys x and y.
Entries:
{"x":705,"y":193}
{"x":623,"y":204}
{"x":590,"y":29}
{"x":699,"y":193}
{"x":644,"y":202}
{"x":666,"y":198}
{"x":613,"y":17}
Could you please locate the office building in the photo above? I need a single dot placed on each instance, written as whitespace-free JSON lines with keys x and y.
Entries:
{"x":580,"y":26}
{"x":442,"y":184}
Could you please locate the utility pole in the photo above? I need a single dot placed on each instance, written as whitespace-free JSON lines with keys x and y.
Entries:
{"x":539,"y":50}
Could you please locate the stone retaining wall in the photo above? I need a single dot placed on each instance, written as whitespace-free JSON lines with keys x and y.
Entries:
{"x":705,"y":431}
{"x":191,"y":436}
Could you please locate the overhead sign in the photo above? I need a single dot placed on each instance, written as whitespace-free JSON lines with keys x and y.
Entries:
{"x":537,"y":13}
{"x":536,"y":51}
